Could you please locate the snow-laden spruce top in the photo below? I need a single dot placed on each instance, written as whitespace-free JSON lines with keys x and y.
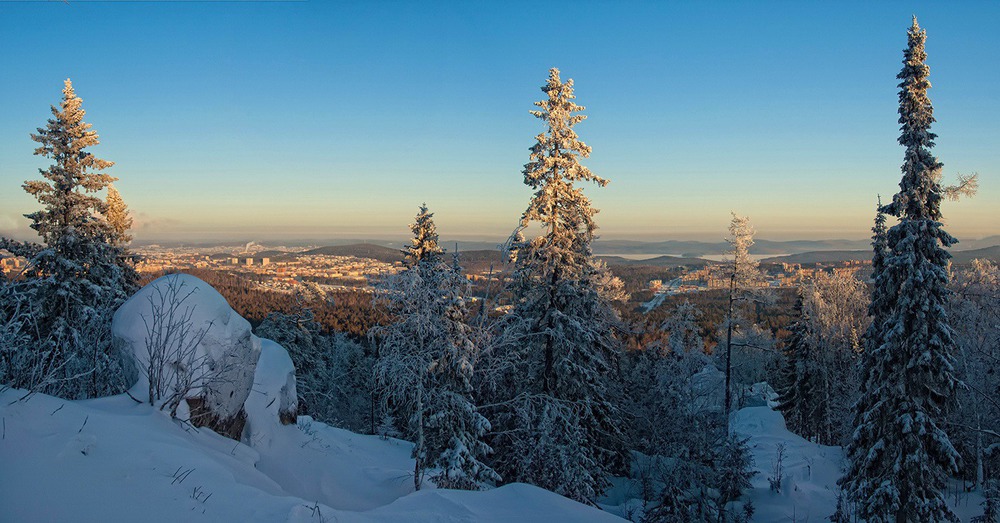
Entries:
{"x":188,"y":342}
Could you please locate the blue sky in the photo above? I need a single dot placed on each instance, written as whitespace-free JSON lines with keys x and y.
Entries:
{"x":266,"y":120}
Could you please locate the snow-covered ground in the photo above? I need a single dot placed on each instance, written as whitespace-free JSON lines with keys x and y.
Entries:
{"x":111,"y":459}
{"x":809,"y":476}
{"x":810,"y":472}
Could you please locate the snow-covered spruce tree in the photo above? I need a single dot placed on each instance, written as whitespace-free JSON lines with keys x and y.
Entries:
{"x":735,"y":470}
{"x":424,"y":244}
{"x":794,"y":392}
{"x":425,"y":364}
{"x":900,"y":457}
{"x":879,"y":306}
{"x":558,"y":426}
{"x":991,"y":505}
{"x":118,"y":217}
{"x":455,"y":428}
{"x":79,"y":276}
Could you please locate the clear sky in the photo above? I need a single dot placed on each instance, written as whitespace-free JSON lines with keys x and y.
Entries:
{"x":267,"y":120}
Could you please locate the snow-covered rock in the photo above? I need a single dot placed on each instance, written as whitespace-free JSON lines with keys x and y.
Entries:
{"x":273,"y":400}
{"x":200,"y":349}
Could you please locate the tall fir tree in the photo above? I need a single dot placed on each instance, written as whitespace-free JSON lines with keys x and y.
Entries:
{"x":900,"y":457}
{"x":79,"y":275}
{"x":560,"y":427}
{"x":879,"y":306}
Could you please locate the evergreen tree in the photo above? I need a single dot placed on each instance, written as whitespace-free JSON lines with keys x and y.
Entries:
{"x":735,"y":470}
{"x":425,"y":365}
{"x":900,"y":458}
{"x":117,"y":215}
{"x":455,"y":427}
{"x":793,"y":395}
{"x":820,"y":381}
{"x":991,"y":505}
{"x":79,"y":276}
{"x":560,"y":429}
{"x":424,"y":244}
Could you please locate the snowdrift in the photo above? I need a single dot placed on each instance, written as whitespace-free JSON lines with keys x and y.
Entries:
{"x":111,"y":459}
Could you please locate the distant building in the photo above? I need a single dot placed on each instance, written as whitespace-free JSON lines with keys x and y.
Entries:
{"x":249,"y":262}
{"x":265,"y":261}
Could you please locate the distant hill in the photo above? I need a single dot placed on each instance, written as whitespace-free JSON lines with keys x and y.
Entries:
{"x":611,"y":247}
{"x":659,"y":261}
{"x":977,"y":244}
{"x":958,"y":257}
{"x":359,"y":250}
{"x":989,"y":253}
{"x":820,"y":257}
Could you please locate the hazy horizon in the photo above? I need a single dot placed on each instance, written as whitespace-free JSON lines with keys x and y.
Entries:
{"x":249,"y":120}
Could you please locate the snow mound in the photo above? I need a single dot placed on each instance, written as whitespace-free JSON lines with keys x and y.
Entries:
{"x":111,"y":459}
{"x":199,"y":347}
{"x":272,"y":402}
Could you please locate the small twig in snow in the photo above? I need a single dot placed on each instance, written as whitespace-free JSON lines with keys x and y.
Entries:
{"x":84,"y":424}
{"x":57,"y":410}
{"x":129,"y":394}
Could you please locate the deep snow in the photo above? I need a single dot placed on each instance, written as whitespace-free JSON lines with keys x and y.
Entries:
{"x":111,"y":459}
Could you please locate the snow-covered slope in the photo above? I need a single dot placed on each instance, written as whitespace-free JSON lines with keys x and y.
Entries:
{"x":114,"y":460}
{"x":809,"y":474}
{"x":809,"y":471}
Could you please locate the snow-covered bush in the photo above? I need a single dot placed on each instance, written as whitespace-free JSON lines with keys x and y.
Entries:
{"x":20,"y":366}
